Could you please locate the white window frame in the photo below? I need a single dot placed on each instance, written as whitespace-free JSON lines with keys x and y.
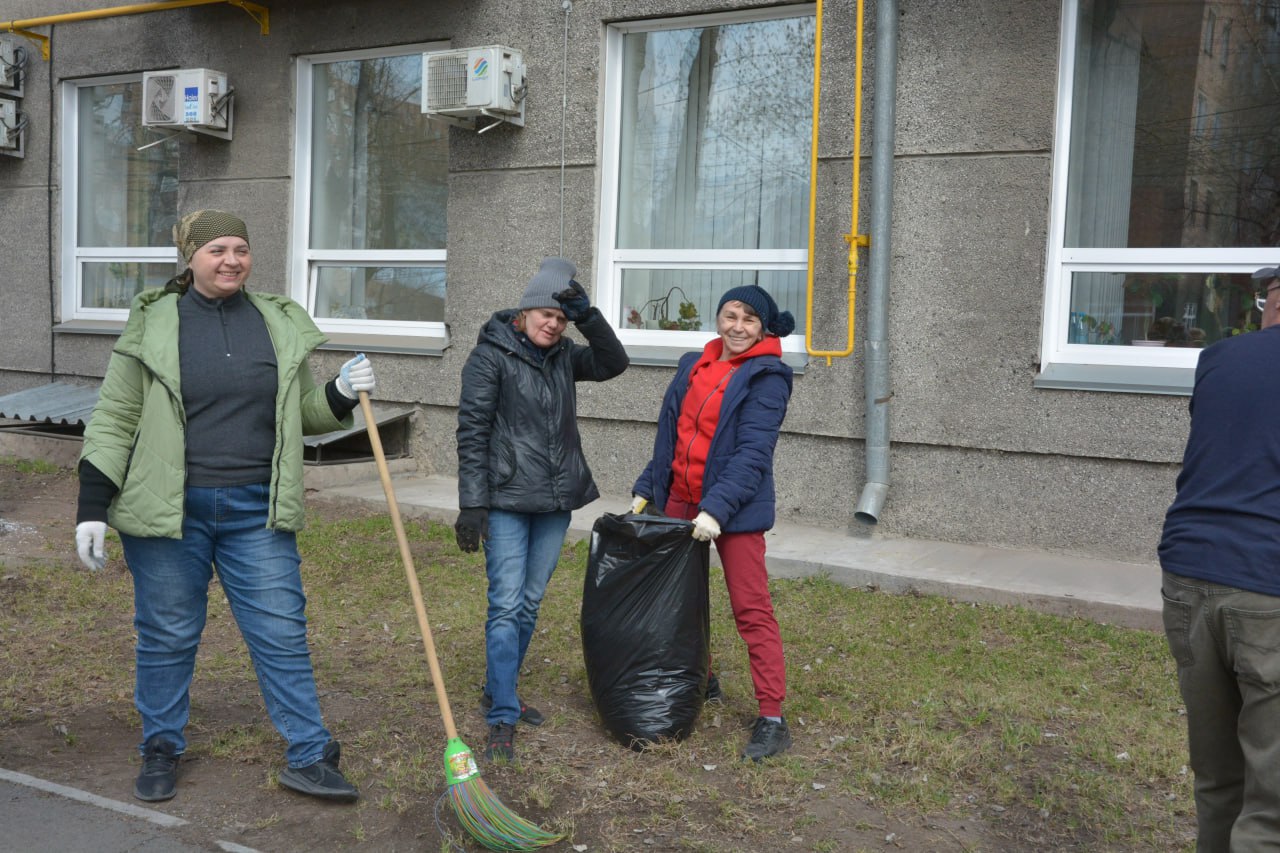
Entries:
{"x":611,"y":261}
{"x":74,"y":257}
{"x":305,"y":262}
{"x":1168,"y":370}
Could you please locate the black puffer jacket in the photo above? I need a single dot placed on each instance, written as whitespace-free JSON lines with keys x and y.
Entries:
{"x":518,"y":443}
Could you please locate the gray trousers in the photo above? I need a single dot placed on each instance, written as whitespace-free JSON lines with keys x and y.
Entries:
{"x":1226,"y":642}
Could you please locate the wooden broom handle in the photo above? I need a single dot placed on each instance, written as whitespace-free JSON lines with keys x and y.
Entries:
{"x":428,"y":643}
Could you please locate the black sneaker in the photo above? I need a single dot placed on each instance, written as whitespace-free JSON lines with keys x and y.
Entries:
{"x":768,"y":738}
{"x":528,"y":714}
{"x":159,"y":776}
{"x":714,"y":693}
{"x":502,"y":739}
{"x":323,"y":779}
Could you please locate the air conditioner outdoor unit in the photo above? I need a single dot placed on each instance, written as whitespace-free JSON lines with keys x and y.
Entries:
{"x":459,"y":86}
{"x":12,"y":125}
{"x":190,"y":98}
{"x":12,"y":58}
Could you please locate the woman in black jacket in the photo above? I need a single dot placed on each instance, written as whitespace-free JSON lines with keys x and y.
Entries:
{"x":521,"y":469}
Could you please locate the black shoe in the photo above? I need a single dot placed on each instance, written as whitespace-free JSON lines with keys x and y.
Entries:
{"x":159,"y":776}
{"x":322,"y":779}
{"x":502,"y":739}
{"x":528,"y":714}
{"x":768,"y":738}
{"x":714,"y":693}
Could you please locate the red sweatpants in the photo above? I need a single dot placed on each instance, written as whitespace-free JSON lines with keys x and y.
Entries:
{"x":747,"y":578}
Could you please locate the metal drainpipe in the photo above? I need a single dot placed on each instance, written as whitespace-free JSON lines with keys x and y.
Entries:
{"x":876,"y":338}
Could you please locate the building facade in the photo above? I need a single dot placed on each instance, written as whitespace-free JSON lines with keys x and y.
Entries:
{"x":1080,"y":190}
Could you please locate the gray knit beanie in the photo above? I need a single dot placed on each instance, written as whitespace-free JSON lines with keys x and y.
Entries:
{"x":552,"y":277}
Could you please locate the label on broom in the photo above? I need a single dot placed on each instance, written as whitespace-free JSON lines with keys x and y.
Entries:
{"x":459,"y":764}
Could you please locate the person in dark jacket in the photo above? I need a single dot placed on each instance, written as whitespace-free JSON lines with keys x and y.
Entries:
{"x":1220,"y":556}
{"x":713,"y":464}
{"x":521,"y":469}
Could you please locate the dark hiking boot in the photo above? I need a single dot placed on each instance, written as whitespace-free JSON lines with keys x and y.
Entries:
{"x":323,"y":779}
{"x":159,"y":777}
{"x":502,"y":742}
{"x":528,"y":714}
{"x":768,"y":738}
{"x":714,"y":693}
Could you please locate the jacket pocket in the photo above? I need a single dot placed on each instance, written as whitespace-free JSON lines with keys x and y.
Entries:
{"x":502,"y":463}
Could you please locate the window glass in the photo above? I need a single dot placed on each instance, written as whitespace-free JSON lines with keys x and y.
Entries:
{"x":715,"y":137}
{"x":1139,"y":72}
{"x":1172,"y":190}
{"x":124,"y":200}
{"x":379,"y":169}
{"x":380,"y":293}
{"x":686,"y":300}
{"x":708,"y":143}
{"x":114,"y":284}
{"x":1160,"y":309}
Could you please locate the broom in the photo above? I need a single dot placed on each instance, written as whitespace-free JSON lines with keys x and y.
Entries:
{"x":478,"y":809}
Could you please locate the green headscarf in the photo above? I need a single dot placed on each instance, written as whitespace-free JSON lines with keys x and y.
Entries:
{"x":197,"y":228}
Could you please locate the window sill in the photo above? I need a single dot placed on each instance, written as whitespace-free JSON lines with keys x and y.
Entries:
{"x":1125,"y":379}
{"x":659,"y":356}
{"x":90,"y":327}
{"x":396,"y":344}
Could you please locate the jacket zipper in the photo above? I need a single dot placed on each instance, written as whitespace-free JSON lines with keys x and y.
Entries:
{"x":724,"y":380}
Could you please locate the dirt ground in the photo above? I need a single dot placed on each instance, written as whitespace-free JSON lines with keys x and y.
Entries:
{"x":93,"y":747}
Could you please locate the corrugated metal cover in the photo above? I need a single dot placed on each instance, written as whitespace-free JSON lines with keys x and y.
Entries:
{"x":56,"y":403}
{"x":384,"y":414}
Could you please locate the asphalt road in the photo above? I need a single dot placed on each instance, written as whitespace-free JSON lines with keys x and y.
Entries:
{"x":42,"y":817}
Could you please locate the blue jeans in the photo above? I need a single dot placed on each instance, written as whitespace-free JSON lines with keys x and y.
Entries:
{"x":520,"y":554}
{"x":1226,"y":642}
{"x":224,"y":529}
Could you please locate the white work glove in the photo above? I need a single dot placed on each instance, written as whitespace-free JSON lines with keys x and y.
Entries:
{"x":355,"y":376}
{"x":91,"y":544}
{"x":638,"y":504}
{"x":705,"y":528}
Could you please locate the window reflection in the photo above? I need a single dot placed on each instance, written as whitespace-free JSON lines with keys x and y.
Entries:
{"x":1173,"y":139}
{"x":379,"y":168}
{"x":1160,"y":309}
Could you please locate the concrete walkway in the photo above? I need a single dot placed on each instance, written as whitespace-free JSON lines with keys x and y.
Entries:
{"x":1102,"y":590}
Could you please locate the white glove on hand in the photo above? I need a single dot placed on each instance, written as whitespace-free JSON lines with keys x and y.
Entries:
{"x":91,"y":544}
{"x":355,"y":376}
{"x":638,"y":504}
{"x":705,"y":528}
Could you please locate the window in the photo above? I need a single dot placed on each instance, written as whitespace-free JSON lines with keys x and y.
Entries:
{"x":705,"y":170}
{"x":1226,"y":43}
{"x":1136,"y":281}
{"x":119,"y":200}
{"x":1211,"y":23}
{"x":370,"y":185}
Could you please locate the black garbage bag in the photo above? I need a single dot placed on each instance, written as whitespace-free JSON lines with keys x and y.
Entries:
{"x":646,"y":626}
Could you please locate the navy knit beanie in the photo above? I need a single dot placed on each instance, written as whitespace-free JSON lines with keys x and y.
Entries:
{"x":758,"y":300}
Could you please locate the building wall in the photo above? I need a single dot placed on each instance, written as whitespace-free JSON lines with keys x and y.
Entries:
{"x":978,"y":454}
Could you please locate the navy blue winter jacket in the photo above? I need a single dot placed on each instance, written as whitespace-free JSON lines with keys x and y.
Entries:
{"x":1224,"y":524}
{"x":737,"y":483}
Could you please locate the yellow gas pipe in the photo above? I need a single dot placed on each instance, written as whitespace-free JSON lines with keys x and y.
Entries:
{"x":853,"y":238}
{"x":258,"y":13}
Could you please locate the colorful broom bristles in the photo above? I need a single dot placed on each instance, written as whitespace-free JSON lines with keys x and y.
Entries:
{"x":480,"y":811}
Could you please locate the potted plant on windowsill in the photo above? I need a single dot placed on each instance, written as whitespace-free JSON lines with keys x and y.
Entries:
{"x":658,"y":310}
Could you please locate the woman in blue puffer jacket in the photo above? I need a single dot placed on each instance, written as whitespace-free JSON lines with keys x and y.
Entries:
{"x":713,"y":464}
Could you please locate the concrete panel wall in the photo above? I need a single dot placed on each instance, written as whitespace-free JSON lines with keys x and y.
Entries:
{"x":979,"y":455}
